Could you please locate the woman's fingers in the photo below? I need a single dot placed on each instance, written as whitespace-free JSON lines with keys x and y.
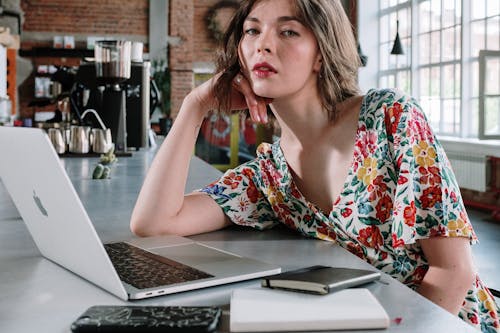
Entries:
{"x":256,"y":104}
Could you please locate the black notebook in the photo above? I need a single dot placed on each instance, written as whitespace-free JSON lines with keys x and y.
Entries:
{"x":320,"y":279}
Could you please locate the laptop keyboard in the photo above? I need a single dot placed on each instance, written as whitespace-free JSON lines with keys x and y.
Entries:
{"x":143,"y":269}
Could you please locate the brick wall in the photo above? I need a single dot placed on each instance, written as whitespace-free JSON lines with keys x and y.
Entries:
{"x":92,"y":17}
{"x":192,"y":43}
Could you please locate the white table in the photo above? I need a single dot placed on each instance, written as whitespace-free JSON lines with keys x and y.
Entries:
{"x":37,"y":295}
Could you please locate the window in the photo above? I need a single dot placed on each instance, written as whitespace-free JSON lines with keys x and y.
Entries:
{"x":443,"y":69}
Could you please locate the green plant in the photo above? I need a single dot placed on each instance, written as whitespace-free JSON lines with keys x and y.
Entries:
{"x":161,"y":75}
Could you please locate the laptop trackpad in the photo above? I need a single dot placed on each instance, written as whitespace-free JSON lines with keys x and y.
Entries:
{"x":196,"y":255}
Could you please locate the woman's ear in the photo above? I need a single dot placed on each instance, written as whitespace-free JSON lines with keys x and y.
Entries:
{"x":318,"y":63}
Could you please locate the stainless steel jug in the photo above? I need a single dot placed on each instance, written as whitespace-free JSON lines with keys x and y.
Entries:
{"x":79,"y":139}
{"x":56,"y":136}
{"x":100,"y":138}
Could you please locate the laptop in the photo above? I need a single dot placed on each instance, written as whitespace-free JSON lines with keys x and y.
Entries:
{"x":61,"y":228}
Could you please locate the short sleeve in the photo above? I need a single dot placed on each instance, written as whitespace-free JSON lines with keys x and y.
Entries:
{"x":237,"y":193}
{"x":427,"y":197}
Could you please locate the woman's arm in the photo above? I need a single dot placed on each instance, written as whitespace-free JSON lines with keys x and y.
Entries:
{"x":451,"y":271}
{"x":161,"y":207}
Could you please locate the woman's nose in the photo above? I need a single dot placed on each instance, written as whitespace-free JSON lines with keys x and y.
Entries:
{"x":265,"y":43}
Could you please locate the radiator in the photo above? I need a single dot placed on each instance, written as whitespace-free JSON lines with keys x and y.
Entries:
{"x":472,"y":171}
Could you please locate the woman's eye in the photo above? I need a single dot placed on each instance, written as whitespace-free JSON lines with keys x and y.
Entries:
{"x":251,"y":31}
{"x":289,"y":33}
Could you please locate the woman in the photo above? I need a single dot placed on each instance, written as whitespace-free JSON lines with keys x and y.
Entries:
{"x":363,"y":171}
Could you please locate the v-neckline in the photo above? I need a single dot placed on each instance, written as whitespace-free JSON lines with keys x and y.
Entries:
{"x":318,"y":211}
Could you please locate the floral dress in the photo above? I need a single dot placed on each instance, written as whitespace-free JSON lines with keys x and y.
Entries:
{"x":400,"y":188}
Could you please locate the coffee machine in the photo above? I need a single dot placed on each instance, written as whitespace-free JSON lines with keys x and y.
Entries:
{"x":119,"y":90}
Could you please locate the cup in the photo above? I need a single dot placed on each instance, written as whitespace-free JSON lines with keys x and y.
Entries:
{"x":101,"y":140}
{"x":79,"y":139}
{"x":56,"y":136}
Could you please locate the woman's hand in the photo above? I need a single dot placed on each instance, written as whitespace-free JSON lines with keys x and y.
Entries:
{"x":242,"y":97}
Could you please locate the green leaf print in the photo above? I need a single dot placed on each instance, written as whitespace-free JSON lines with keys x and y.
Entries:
{"x":369,"y":220}
{"x":421,"y":231}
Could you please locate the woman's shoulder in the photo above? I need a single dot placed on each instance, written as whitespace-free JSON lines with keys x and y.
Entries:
{"x":376,"y":98}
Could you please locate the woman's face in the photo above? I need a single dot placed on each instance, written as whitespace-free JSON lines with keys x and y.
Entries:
{"x":278,"y":54}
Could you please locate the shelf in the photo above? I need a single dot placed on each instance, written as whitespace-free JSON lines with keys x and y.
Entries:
{"x":58,"y":53}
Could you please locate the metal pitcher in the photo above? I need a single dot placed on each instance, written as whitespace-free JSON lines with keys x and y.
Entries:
{"x":100,"y":138}
{"x":56,"y":136}
{"x":79,"y":139}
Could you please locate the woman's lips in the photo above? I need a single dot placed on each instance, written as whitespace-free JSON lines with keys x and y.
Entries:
{"x":263,"y":70}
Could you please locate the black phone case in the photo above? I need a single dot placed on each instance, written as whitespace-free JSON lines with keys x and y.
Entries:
{"x":182,"y":319}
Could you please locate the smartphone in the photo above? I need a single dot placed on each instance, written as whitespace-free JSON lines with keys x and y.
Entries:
{"x":123,"y":318}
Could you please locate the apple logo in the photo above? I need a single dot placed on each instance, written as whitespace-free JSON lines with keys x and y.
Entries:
{"x":39,"y":204}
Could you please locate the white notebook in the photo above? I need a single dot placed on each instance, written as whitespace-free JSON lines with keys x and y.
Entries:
{"x":260,"y":309}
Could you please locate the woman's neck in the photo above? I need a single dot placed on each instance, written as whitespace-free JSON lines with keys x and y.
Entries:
{"x":305,"y":122}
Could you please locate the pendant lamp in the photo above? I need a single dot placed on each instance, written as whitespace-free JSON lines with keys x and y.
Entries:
{"x":362,"y":57}
{"x":397,"y":48}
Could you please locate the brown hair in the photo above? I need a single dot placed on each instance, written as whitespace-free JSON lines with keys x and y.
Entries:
{"x":337,"y":79}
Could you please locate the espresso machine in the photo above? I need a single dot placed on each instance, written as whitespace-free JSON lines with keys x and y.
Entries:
{"x":119,"y":90}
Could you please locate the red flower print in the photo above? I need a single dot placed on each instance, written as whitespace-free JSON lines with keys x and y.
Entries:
{"x":355,"y":249}
{"x":377,"y":188}
{"x":473,"y":319}
{"x":430,"y":175}
{"x":453,"y":197}
{"x":294,"y":192}
{"x":268,"y":168}
{"x":252,"y":192}
{"x":402,"y":180}
{"x":367,"y":142}
{"x":409,"y":214}
{"x":384,"y":208}
{"x":325,"y":230}
{"x":248,"y":172}
{"x":346,"y":212}
{"x":430,"y":197}
{"x":397,"y":242}
{"x":371,"y":237}
{"x":232,"y":179}
{"x":419,"y":125}
{"x":438,"y":231}
{"x":392,"y":117}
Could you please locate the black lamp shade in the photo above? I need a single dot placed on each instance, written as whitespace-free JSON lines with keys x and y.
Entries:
{"x":362,"y":57}
{"x":397,"y":48}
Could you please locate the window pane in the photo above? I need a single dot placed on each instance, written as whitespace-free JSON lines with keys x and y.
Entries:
{"x":385,"y":52}
{"x":384,"y":29}
{"x":492,"y":79}
{"x":477,"y":31}
{"x":448,"y":44}
{"x":458,"y":43}
{"x":474,"y":75}
{"x":474,"y":116}
{"x":403,"y":60}
{"x":493,"y":7}
{"x":384,"y":4}
{"x":492,"y":115}
{"x":493,"y":33}
{"x":424,"y":74}
{"x":448,"y":13}
{"x":434,"y":113}
{"x":478,"y":9}
{"x":449,"y":81}
{"x":404,"y":23}
{"x":435,"y":82}
{"x":404,"y":81}
{"x":436,"y":14}
{"x":424,"y":16}
{"x":424,"y":51}
{"x":450,"y":116}
{"x":435,"y":46}
{"x":458,"y":81}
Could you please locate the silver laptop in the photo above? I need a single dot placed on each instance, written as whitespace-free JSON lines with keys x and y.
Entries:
{"x":31,"y":171}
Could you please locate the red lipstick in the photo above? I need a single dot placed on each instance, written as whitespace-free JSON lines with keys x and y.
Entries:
{"x":263,"y":70}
